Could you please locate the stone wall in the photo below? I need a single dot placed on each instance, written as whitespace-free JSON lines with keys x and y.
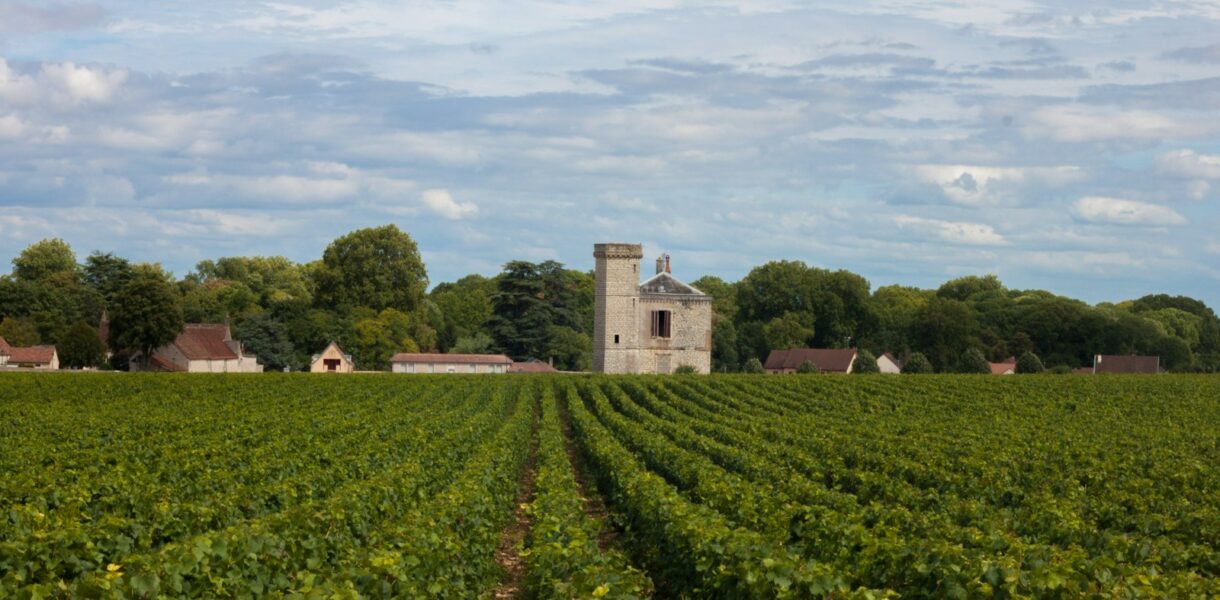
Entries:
{"x":691,"y":334}
{"x":616,"y":311}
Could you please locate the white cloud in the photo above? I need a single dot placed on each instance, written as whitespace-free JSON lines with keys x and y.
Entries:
{"x":1189,"y":163}
{"x":12,"y":127}
{"x":1100,"y":209}
{"x":957,"y":232}
{"x":975,"y":184}
{"x":83,"y":83}
{"x":442,"y":203}
{"x":1083,"y":124}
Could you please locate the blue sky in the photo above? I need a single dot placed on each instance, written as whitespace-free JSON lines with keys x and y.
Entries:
{"x":1073,"y":147}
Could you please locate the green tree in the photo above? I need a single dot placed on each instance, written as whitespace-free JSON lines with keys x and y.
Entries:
{"x":268,"y":339}
{"x":1029,"y":363}
{"x":147,"y":313}
{"x":970,"y":287}
{"x":271,"y":280}
{"x":81,"y":347}
{"x":475,"y":343}
{"x":375,"y":268}
{"x":19,"y":332}
{"x":807,"y":368}
{"x":686,"y":370}
{"x":107,"y":274}
{"x":724,"y":346}
{"x":1175,"y":354}
{"x":972,"y":361}
{"x":753,"y":365}
{"x":942,"y":329}
{"x":571,"y":349}
{"x":866,"y":363}
{"x":465,"y":307}
{"x":530,"y":299}
{"x":44,"y":259}
{"x":917,"y":364}
{"x":790,"y":330}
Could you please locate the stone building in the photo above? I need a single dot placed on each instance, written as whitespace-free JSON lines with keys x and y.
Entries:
{"x":651,"y":327}
{"x":202,"y":348}
{"x":331,"y":359}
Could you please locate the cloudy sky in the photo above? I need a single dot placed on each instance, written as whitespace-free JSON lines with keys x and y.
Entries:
{"x":1068,"y":146}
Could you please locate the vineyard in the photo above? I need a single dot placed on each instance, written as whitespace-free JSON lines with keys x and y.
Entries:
{"x":142,"y":486}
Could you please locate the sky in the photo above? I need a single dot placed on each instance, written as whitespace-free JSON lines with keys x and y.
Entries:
{"x":1067,"y":146}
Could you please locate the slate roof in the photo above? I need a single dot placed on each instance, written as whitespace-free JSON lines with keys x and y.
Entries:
{"x":827,"y":360}
{"x":1104,"y":363}
{"x":453,"y":359}
{"x":35,"y":355}
{"x":532,"y":366}
{"x":665,"y":283}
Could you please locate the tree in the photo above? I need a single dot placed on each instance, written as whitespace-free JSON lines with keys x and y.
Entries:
{"x":530,"y":299}
{"x":1175,"y":354}
{"x":942,"y":329}
{"x":147,"y":313}
{"x":81,"y":347}
{"x":866,"y":363}
{"x":19,"y":332}
{"x":464,"y":306}
{"x":1029,"y":363}
{"x":753,"y":366}
{"x":571,"y":349}
{"x":972,"y":361}
{"x":807,"y":368}
{"x":476,"y":343}
{"x":375,"y":337}
{"x":267,"y":339}
{"x":107,"y":274}
{"x":916,"y":364}
{"x":969,"y":287}
{"x":724,"y":346}
{"x":43,"y":259}
{"x":790,"y":330}
{"x":375,"y":268}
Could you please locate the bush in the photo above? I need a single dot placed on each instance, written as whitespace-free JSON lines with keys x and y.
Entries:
{"x":1060,"y":370}
{"x":973,"y":361}
{"x":808,"y":367}
{"x":1030,"y":363}
{"x":753,"y":366}
{"x":686,"y":370}
{"x":866,"y":364}
{"x":81,"y":347}
{"x":917,"y":364}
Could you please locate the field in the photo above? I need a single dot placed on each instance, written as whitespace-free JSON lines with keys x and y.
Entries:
{"x":131,"y":486}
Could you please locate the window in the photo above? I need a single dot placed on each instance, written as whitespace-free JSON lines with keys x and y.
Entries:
{"x":616,"y":338}
{"x":660,"y":323}
{"x":332,"y":364}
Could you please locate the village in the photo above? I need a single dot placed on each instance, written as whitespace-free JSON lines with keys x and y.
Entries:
{"x":659,"y":326}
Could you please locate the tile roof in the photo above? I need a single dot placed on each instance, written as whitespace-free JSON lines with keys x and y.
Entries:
{"x":205,"y":342}
{"x":1126,"y":364}
{"x":39,"y":355}
{"x":455,"y":359}
{"x":532,"y":366}
{"x":831,"y":360}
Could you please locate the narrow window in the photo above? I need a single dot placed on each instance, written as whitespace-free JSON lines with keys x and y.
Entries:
{"x":660,"y":323}
{"x":616,"y":338}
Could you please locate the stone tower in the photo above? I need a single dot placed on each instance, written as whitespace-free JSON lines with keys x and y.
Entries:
{"x":616,"y":327}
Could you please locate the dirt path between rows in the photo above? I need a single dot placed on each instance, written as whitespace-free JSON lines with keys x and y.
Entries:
{"x":593,"y":503}
{"x":512,"y":540}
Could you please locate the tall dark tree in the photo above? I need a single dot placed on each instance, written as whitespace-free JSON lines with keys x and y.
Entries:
{"x":530,"y":299}
{"x":375,"y":268}
{"x":81,"y":347}
{"x":147,"y":314}
{"x":942,"y":329}
{"x":267,"y":338}
{"x":106,"y":273}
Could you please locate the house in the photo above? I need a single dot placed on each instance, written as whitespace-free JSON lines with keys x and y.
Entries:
{"x":1105,"y":363}
{"x":650,"y":327}
{"x":202,"y":348}
{"x":827,"y":360}
{"x":411,"y":362}
{"x":331,"y":360}
{"x":44,"y":358}
{"x":1007,"y":366}
{"x":889,"y":364}
{"x":532,"y":365}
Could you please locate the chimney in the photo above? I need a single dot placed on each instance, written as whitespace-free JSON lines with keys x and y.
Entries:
{"x":660,"y":264}
{"x":666,"y":263}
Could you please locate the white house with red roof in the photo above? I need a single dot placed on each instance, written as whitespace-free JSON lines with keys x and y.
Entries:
{"x":202,"y":348}
{"x":428,"y":362}
{"x":34,"y":357}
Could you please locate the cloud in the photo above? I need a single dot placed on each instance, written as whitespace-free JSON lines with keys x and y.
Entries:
{"x":1189,"y":163}
{"x":442,"y":203}
{"x":24,"y":18}
{"x":978,"y":185}
{"x":60,"y":82}
{"x":1196,"y":54}
{"x":1117,"y":211}
{"x":1072,"y":123}
{"x":957,"y":232}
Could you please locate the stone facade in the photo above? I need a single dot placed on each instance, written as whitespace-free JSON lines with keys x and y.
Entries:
{"x":628,"y":336}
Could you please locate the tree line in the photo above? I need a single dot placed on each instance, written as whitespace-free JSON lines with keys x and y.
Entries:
{"x":369,"y":292}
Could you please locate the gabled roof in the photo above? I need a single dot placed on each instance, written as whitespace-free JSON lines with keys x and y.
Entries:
{"x":832,"y":360}
{"x":346,"y":356}
{"x":456,"y":359}
{"x":205,"y":342}
{"x":664,"y":283}
{"x":1104,"y":363}
{"x":893,"y":359}
{"x":36,"y":355}
{"x":1003,"y":368}
{"x":532,"y":365}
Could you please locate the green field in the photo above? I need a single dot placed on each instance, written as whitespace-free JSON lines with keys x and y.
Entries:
{"x":130,"y":486}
